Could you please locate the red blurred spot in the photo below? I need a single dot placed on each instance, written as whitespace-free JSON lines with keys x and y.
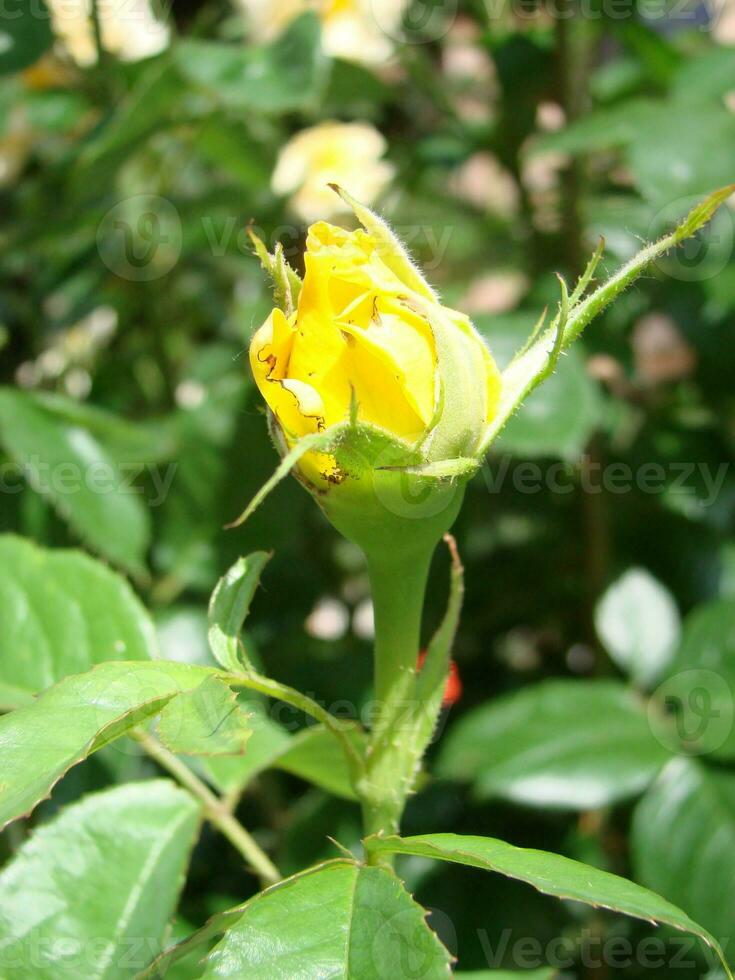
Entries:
{"x":453,"y":690}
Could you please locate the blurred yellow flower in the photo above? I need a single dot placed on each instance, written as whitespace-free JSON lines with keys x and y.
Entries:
{"x":15,"y":145}
{"x":356,"y":30}
{"x":370,"y":336}
{"x":129,"y":29}
{"x":331,"y":152}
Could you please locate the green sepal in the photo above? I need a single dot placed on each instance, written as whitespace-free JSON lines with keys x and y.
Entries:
{"x":383,"y":494}
{"x":285,"y":280}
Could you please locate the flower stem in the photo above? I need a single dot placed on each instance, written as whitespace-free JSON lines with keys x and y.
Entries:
{"x":215,"y":810}
{"x":398,"y":587}
{"x":398,"y":590}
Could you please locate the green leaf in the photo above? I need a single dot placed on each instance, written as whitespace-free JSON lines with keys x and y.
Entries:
{"x":66,"y":463}
{"x":61,"y":612}
{"x":91,"y":892}
{"x":268,"y":741}
{"x":551,"y":874}
{"x":708,"y":75}
{"x":339,"y":920}
{"x":313,"y":755}
{"x":229,"y":607}
{"x":205,"y":721}
{"x":701,"y":681}
{"x":283,"y":76}
{"x":317,"y":757}
{"x":39,"y":743}
{"x":667,"y":167}
{"x":25,"y":34}
{"x":683,"y":842}
{"x":601,"y":129}
{"x":638,"y":624}
{"x":561,"y":743}
{"x":144,"y":110}
{"x":127,"y":442}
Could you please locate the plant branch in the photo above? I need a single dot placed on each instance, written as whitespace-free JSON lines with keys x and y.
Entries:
{"x":215,"y":810}
{"x":274,"y":689}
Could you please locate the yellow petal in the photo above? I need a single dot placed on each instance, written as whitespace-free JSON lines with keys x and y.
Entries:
{"x":270,"y":349}
{"x":404,"y":344}
{"x":270,"y":356}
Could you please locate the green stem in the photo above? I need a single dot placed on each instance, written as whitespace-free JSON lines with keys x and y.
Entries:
{"x":215,"y":809}
{"x":398,"y":588}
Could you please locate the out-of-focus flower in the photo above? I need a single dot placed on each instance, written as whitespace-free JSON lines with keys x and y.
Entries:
{"x":71,"y":354}
{"x":331,"y":152}
{"x":486,"y":184}
{"x":470,"y":72}
{"x":496,"y":292}
{"x":356,"y":30}
{"x":15,"y":145}
{"x":550,"y":117}
{"x":661,"y":353}
{"x":723,"y":22}
{"x":328,"y":620}
{"x":129,"y":29}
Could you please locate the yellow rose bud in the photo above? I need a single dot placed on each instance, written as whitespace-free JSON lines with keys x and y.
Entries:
{"x":369,"y":343}
{"x":383,"y":399}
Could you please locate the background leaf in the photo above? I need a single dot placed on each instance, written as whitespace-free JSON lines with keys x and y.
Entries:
{"x":280,"y":77}
{"x":698,"y":690}
{"x":683,"y":842}
{"x":638,"y":624}
{"x":507,"y":975}
{"x":67,"y":464}
{"x":91,"y":892}
{"x":61,"y":612}
{"x":564,"y":743}
{"x":26,"y":34}
{"x":559,"y":417}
